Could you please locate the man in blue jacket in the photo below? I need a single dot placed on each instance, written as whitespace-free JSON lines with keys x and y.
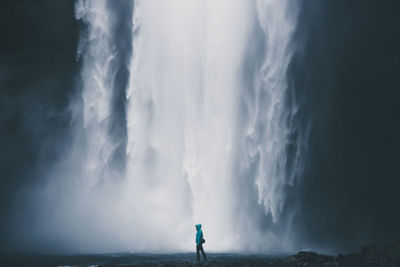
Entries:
{"x":199,"y":243}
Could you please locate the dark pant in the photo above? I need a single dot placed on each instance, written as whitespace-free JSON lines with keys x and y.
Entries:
{"x":200,"y":248}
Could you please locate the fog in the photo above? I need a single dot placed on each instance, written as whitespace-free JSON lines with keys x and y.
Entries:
{"x":205,"y":116}
{"x":125,"y":123}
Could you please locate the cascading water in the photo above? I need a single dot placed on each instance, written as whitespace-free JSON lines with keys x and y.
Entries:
{"x":208,"y":129}
{"x":183,"y":129}
{"x":185,"y":76}
{"x":98,"y":75}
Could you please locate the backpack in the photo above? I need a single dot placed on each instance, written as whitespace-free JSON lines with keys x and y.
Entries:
{"x":202,"y":241}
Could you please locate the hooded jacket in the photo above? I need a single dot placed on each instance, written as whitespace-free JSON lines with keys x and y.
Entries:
{"x":199,"y":234}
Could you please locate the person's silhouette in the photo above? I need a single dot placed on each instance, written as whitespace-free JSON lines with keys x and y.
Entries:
{"x":199,"y":243}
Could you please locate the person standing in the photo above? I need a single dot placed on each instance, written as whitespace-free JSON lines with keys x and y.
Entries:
{"x":199,"y":243}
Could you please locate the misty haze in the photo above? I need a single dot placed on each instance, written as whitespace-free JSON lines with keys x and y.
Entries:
{"x":125,"y":124}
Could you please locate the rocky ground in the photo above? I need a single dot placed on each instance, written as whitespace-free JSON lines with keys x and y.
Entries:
{"x":373,"y":255}
{"x":387,"y":256}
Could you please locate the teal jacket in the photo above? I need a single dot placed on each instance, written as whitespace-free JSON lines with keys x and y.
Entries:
{"x":199,"y":234}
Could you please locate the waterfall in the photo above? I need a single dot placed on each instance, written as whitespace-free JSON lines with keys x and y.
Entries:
{"x":269,"y":125}
{"x":211,"y":136}
{"x":269,"y":143}
{"x":98,"y":51}
{"x":185,"y":76}
{"x":185,"y":89}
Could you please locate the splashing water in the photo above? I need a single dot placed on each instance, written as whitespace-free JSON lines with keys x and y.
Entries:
{"x":207,"y":122}
{"x":184,"y":94}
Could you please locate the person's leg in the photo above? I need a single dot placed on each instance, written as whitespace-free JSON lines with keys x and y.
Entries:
{"x":198,"y":253}
{"x":202,"y":252}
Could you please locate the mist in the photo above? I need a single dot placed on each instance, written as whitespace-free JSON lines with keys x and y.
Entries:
{"x":125,"y":123}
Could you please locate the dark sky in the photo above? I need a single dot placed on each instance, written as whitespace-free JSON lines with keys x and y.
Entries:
{"x":346,"y":71}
